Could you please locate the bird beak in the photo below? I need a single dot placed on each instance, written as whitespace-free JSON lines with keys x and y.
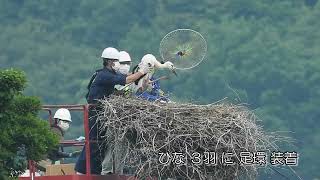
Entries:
{"x":174,"y":72}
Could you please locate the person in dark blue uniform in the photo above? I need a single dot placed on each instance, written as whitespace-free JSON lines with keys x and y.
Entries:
{"x":100,"y":86}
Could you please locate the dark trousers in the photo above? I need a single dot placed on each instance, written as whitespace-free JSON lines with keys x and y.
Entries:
{"x":96,"y":154}
{"x":96,"y":158}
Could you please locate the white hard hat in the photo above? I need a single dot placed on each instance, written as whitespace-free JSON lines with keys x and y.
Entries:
{"x":124,"y":57}
{"x":110,"y":53}
{"x":148,"y":58}
{"x":63,"y":114}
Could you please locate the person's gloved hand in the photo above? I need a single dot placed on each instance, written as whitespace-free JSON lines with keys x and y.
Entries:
{"x":75,"y":154}
{"x":80,"y":138}
{"x":144,"y":68}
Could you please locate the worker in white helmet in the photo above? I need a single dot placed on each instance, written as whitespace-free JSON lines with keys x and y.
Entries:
{"x":60,"y":125}
{"x":100,"y":86}
{"x":62,"y":121}
{"x":121,"y":148}
{"x":123,"y":66}
{"x":103,"y":80}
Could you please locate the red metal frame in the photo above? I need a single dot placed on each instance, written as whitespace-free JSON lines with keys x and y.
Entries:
{"x":50,"y":114}
{"x":79,"y":107}
{"x":87,"y":142}
{"x":88,"y":175}
{"x":82,"y":177}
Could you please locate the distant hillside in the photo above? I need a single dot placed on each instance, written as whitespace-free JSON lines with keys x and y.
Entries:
{"x":264,"y":53}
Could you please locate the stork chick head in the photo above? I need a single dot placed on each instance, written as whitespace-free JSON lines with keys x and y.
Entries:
{"x":154,"y":63}
{"x":169,"y":65}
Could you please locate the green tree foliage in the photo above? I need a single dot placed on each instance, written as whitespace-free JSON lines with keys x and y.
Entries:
{"x":23,"y":135}
{"x":261,"y":52}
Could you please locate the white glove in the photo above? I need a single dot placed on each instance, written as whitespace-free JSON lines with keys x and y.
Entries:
{"x":80,"y":138}
{"x":144,"y":68}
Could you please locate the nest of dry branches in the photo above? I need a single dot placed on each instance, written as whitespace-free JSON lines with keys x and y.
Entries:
{"x":184,"y":141}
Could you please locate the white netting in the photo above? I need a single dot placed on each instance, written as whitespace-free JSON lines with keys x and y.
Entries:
{"x":185,"y":48}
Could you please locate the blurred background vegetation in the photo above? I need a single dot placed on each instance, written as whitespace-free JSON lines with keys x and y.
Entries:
{"x":261,"y":52}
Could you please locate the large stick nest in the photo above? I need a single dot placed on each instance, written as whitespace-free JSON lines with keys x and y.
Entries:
{"x":155,"y":130}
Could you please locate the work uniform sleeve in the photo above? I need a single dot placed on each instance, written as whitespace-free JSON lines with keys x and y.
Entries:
{"x":106,"y":79}
{"x":119,"y":79}
{"x":61,"y":154}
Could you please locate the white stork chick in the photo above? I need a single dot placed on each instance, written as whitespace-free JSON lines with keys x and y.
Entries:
{"x":158,"y":65}
{"x":151,"y":61}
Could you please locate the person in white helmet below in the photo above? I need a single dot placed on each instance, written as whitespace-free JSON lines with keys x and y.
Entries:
{"x":100,"y":86}
{"x":123,"y":66}
{"x":62,"y":120}
{"x":60,"y":125}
